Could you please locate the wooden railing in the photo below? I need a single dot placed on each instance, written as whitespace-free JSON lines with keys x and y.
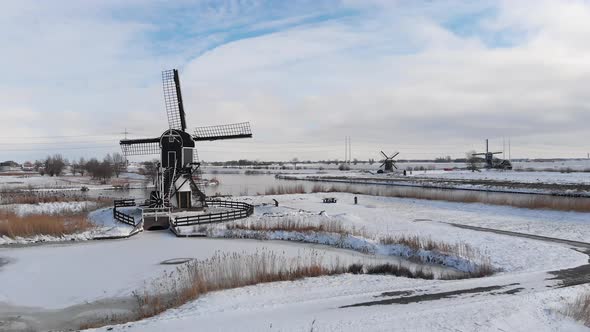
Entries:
{"x":120,"y":216}
{"x":241,"y":210}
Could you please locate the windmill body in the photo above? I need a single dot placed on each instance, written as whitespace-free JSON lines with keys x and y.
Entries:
{"x":388,"y":164}
{"x":175,"y":185}
{"x":491,"y":162}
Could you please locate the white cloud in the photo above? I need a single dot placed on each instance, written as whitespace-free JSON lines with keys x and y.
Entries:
{"x":393,"y":77}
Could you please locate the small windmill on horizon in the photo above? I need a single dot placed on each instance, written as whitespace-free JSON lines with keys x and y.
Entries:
{"x":388,"y":163}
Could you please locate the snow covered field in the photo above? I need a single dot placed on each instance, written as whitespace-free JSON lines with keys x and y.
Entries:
{"x":512,"y":176}
{"x":520,"y":298}
{"x":530,"y":182}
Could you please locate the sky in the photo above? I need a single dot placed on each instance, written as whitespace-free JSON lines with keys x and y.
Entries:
{"x":425,"y":78}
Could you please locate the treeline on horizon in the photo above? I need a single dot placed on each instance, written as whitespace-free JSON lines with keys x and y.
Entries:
{"x":56,"y":165}
{"x":246,"y":162}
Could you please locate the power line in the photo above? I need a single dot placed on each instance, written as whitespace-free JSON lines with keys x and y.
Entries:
{"x":62,"y":148}
{"x":86,"y":142}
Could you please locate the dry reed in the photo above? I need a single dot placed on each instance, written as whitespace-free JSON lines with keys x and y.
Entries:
{"x":461,"y":249}
{"x":285,"y":190}
{"x":13,"y":225}
{"x":294,"y":224}
{"x":579,"y":309}
{"x":35,"y":197}
{"x":233,"y":270}
{"x":227,"y":271}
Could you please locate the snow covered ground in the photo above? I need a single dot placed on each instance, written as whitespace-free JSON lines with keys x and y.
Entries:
{"x":530,"y":182}
{"x":520,"y":298}
{"x":495,"y":175}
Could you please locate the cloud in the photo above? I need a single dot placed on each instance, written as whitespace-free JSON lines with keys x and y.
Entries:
{"x":425,"y":78}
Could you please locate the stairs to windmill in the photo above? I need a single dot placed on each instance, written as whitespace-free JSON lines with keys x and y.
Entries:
{"x":198,"y":174}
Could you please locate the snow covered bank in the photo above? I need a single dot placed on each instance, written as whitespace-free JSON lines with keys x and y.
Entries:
{"x":102,"y":219}
{"x":381,"y":216}
{"x":469,"y":265}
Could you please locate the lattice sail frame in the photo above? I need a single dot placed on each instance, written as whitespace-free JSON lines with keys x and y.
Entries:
{"x":140,"y":147}
{"x":227,"y":131}
{"x":173,"y":100}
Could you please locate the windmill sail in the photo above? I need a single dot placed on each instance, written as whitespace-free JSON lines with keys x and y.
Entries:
{"x":228,"y":131}
{"x":173,"y":100}
{"x":137,"y":147}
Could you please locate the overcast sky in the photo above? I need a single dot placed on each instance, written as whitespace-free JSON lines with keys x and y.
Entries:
{"x":426,"y":78}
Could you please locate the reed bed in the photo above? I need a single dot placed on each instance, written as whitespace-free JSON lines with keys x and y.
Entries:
{"x":227,"y":271}
{"x":35,"y":197}
{"x":460,"y":249}
{"x":579,"y":309}
{"x":233,"y":270}
{"x":560,"y":203}
{"x":416,"y":243}
{"x":13,"y":225}
{"x":294,"y":224}
{"x":285,"y":190}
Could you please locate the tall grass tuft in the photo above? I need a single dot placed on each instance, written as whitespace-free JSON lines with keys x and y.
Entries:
{"x":580,"y":309}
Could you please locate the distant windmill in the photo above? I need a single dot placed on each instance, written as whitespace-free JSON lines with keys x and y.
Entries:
{"x":492,"y":162}
{"x":388,"y":163}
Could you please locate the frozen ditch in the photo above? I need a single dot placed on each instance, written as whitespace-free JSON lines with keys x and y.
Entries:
{"x":96,"y":279}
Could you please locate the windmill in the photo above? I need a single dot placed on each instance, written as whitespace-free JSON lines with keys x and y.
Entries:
{"x":492,"y":162}
{"x":174,"y":183}
{"x":388,"y":163}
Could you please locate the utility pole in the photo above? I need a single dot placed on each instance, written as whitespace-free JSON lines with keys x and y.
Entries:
{"x":349,"y":150}
{"x":509,"y":151}
{"x":345,"y":148}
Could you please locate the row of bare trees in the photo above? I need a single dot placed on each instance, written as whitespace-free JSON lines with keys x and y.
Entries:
{"x":109,"y":166}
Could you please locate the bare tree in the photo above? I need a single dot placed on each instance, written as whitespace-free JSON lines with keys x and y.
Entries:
{"x":54,"y":165}
{"x":472,"y":161}
{"x":81,"y":166}
{"x":118,"y":163}
{"x":150,"y":169}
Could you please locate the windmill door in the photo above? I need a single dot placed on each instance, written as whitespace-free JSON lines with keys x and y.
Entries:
{"x":184,"y":199}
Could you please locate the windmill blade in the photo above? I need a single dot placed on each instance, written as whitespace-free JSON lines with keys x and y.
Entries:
{"x":479,"y":154}
{"x":173,"y":100}
{"x":138,"y":147}
{"x":384,"y":155}
{"x":228,"y":131}
{"x":393,"y":164}
{"x":382,"y":164}
{"x":394,"y":155}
